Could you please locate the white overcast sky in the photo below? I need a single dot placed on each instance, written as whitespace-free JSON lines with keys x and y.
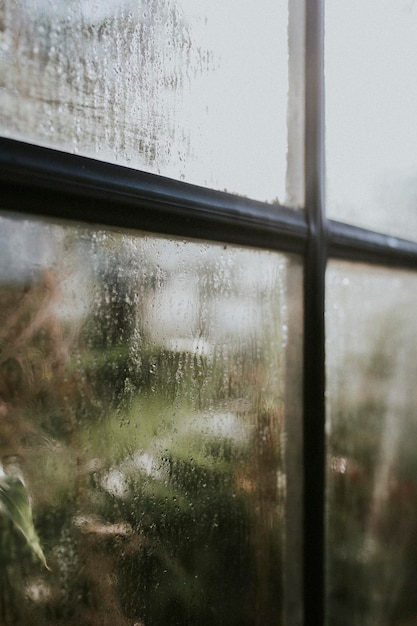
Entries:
{"x":371,"y":106}
{"x":234,"y":117}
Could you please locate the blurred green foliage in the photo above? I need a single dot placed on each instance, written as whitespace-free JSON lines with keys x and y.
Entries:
{"x":153,"y":472}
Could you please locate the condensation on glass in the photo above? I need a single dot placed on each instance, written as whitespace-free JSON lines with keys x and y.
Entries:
{"x":192,"y":90}
{"x":371,"y":99}
{"x":142,"y":404}
{"x":372,"y":453}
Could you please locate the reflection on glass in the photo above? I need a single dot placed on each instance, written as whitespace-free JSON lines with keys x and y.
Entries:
{"x":372,"y":434}
{"x":192,"y":90}
{"x":371,"y":99}
{"x":141,"y":410}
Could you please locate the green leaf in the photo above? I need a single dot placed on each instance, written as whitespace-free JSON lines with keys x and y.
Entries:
{"x":15,"y":504}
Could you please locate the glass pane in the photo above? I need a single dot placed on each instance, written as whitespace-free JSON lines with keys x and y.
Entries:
{"x":193,"y":90}
{"x":142,"y":409}
{"x":371,"y":100}
{"x":372,"y":434}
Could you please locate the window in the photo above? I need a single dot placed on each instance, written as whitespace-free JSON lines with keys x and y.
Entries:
{"x":181,"y":442}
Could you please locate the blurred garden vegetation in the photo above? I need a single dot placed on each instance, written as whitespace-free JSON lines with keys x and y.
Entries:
{"x":153,"y":472}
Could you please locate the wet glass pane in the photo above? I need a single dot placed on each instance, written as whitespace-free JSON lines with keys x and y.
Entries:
{"x":142,"y":409}
{"x":193,"y":90}
{"x":372,"y":452}
{"x":371,"y":99}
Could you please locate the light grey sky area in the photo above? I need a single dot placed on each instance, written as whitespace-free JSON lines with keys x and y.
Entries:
{"x":371,"y":103}
{"x":189,"y":89}
{"x":202,"y":92}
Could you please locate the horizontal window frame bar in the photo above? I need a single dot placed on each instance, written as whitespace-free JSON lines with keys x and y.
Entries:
{"x":45,"y":182}
{"x":42,"y":181}
{"x":351,"y":243}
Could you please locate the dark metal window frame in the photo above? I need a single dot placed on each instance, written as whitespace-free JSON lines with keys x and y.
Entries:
{"x":39,"y":181}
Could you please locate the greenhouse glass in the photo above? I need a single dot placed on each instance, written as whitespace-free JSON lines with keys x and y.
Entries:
{"x":199,"y":422}
{"x":142,"y":387}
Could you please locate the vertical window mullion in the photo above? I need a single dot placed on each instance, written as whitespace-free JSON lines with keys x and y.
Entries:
{"x":314,"y":366}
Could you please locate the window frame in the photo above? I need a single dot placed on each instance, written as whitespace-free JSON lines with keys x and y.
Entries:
{"x":48,"y":183}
